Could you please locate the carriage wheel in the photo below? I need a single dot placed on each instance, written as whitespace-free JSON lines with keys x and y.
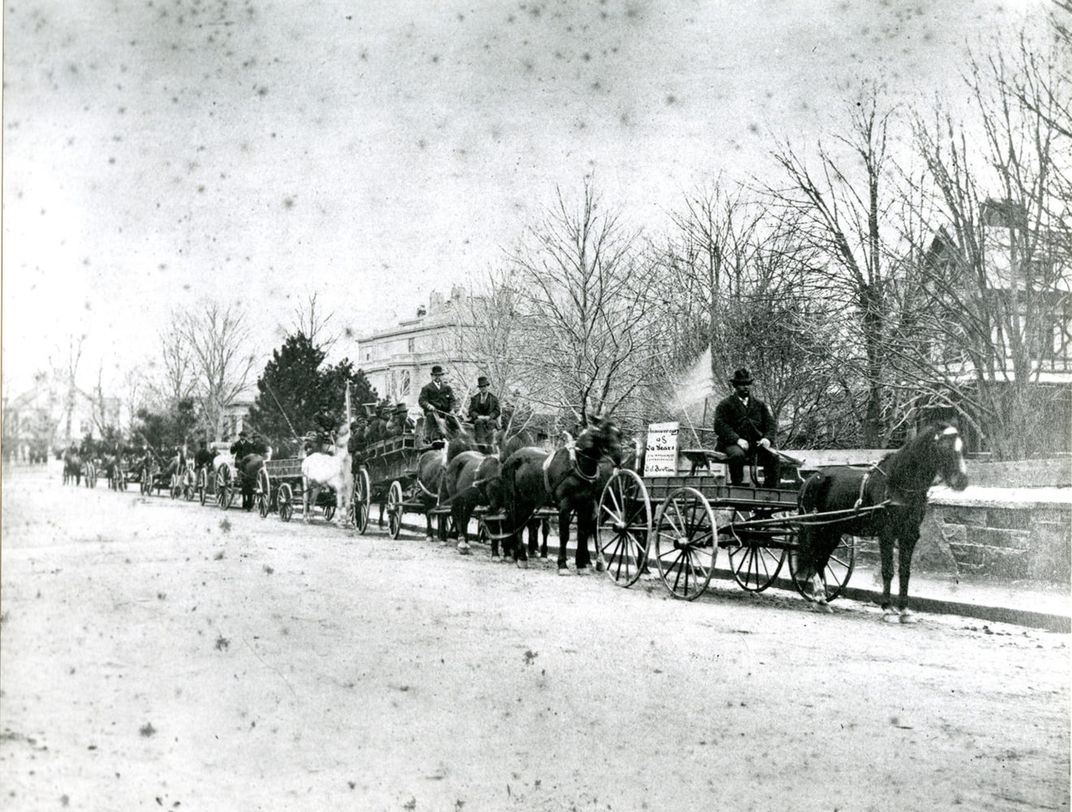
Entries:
{"x":146,"y":484}
{"x":394,"y":509}
{"x":285,"y":502}
{"x":261,"y":494}
{"x":92,"y":476}
{"x":360,"y":502}
{"x":685,"y":546}
{"x":754,"y":559}
{"x":224,"y":488}
{"x":623,"y":527}
{"x":835,"y":575}
{"x":175,"y":486}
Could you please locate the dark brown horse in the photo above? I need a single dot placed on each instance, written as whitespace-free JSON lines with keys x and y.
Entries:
{"x":432,"y":465}
{"x":891,"y":498}
{"x":568,"y":479}
{"x":72,"y":467}
{"x":472,"y":478}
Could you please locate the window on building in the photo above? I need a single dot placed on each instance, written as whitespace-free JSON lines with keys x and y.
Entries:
{"x":411,"y":345}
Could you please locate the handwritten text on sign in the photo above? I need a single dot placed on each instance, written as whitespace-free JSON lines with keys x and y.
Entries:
{"x":660,"y":456}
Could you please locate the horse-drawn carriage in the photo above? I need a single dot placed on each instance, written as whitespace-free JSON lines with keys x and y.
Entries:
{"x":810,"y":525}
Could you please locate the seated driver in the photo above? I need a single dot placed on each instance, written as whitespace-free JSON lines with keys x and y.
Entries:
{"x":746,"y":430}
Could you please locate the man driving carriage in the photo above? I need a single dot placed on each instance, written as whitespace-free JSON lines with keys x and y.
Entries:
{"x":484,"y":403}
{"x":745,"y":430}
{"x":248,"y":452}
{"x":436,"y":398}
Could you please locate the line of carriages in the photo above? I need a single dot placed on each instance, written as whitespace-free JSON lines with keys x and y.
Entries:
{"x":674,"y":526}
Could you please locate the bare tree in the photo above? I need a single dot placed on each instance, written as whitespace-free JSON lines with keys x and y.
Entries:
{"x":841,"y":211}
{"x":311,"y":321}
{"x":997,"y":271}
{"x":219,"y":342}
{"x":174,"y":375}
{"x":487,"y":334}
{"x":583,"y":294}
{"x":65,"y":374}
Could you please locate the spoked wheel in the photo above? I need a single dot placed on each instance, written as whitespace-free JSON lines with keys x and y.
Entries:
{"x":394,"y":509}
{"x":756,"y":555}
{"x":360,"y":502}
{"x":623,"y":527}
{"x":685,"y":546}
{"x":262,"y":493}
{"x":285,"y":502}
{"x":174,"y":486}
{"x":189,"y":486}
{"x":202,"y":486}
{"x":224,"y":488}
{"x":146,"y":484}
{"x":835,"y":574}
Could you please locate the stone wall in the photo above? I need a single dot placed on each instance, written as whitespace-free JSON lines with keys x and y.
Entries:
{"x":1000,"y":542}
{"x":1055,"y":472}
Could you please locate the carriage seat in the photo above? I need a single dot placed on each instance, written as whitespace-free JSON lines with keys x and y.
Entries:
{"x":701,"y":458}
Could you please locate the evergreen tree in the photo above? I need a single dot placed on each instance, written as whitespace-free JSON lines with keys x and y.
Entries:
{"x":296,"y":388}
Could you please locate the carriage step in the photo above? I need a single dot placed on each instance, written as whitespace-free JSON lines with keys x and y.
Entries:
{"x":439,"y":511}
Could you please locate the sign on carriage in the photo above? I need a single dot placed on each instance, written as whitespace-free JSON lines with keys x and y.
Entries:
{"x":660,"y":455}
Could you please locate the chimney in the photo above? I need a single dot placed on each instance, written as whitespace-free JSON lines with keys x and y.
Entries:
{"x":422,"y":311}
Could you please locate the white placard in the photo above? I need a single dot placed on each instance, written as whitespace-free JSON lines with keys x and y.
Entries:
{"x":660,"y":455}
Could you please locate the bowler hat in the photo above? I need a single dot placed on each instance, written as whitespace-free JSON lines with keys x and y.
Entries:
{"x":741,"y":377}
{"x":437,"y":370}
{"x":482,"y":381}
{"x":401,"y":408}
{"x":242,"y":433}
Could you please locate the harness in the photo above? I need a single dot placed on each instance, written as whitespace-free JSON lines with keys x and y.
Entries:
{"x":571,"y":449}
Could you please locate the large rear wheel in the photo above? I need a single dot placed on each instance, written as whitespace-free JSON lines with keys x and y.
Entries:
{"x":685,"y":546}
{"x":224,"y":487}
{"x":394,"y":509}
{"x":262,"y":493}
{"x":362,"y":492}
{"x":623,"y":527}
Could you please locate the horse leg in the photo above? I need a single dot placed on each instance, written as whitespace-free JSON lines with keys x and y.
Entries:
{"x":585,"y":524}
{"x":563,"y":539}
{"x":460,"y":514}
{"x":309,"y":494}
{"x":885,"y":546}
{"x":905,"y":548}
{"x":545,"y":531}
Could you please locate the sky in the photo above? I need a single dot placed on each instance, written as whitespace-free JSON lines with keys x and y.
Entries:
{"x":163,"y":153}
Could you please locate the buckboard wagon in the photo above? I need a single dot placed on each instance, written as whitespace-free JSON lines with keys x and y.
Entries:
{"x":388,"y":477}
{"x":679,"y":523}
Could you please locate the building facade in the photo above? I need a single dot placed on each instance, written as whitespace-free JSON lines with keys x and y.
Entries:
{"x":398,"y":361}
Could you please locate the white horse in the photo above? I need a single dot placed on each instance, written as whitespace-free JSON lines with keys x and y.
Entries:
{"x":321,"y":471}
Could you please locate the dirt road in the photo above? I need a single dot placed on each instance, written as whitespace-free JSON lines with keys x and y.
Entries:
{"x":163,"y":655}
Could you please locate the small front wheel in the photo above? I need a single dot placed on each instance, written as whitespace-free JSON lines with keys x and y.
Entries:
{"x":285,"y":502}
{"x":224,"y":488}
{"x":261,"y":496}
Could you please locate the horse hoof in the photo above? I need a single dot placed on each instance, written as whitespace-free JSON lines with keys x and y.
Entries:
{"x":585,"y":570}
{"x":463,"y":548}
{"x":908,"y":617}
{"x":564,"y":571}
{"x":891,"y":616}
{"x":600,"y":566}
{"x":522,"y":564}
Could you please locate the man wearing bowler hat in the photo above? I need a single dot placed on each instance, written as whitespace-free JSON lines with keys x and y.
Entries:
{"x":484,"y":403}
{"x":436,"y":396}
{"x":746,"y":431}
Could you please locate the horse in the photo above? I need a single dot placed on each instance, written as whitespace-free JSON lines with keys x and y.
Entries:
{"x":431,"y":467}
{"x":891,"y":497}
{"x":472,"y":478}
{"x":568,"y":478}
{"x":321,"y":471}
{"x":72,"y":467}
{"x":485,"y":433}
{"x":248,"y":469}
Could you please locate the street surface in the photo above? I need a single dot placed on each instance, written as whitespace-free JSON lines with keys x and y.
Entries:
{"x":159,"y":654}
